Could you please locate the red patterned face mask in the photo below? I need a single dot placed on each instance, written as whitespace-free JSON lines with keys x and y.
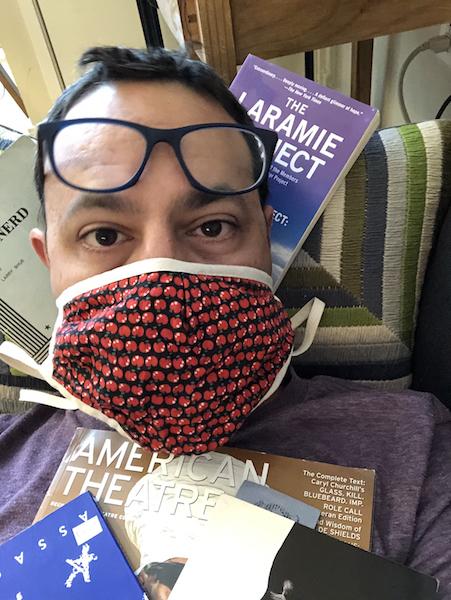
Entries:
{"x":174,"y":357}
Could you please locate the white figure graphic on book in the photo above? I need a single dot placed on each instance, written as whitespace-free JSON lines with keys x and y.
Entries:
{"x":19,"y":596}
{"x":81,"y":565}
{"x":287,"y":588}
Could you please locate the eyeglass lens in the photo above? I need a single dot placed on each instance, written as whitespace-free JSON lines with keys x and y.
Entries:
{"x":104,"y":156}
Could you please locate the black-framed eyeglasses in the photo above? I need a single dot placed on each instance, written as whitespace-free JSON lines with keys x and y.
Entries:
{"x":109,"y":155}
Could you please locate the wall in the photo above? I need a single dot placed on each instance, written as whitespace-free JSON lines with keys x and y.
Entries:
{"x":96,"y":23}
{"x":332,"y":66}
{"x":28,"y":56}
{"x":169,"y":40}
{"x":427,"y":81}
{"x":10,"y":113}
{"x":42,"y":66}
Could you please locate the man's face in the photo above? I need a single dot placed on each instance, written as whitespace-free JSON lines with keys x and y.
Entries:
{"x":162,"y":215}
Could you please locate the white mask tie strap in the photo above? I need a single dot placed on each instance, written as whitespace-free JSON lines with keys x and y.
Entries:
{"x":310,"y":314}
{"x":16,"y":357}
{"x":38,"y":397}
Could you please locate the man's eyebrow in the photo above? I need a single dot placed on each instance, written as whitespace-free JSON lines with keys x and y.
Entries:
{"x":197,"y":199}
{"x":119,"y":204}
{"x":111,"y":202}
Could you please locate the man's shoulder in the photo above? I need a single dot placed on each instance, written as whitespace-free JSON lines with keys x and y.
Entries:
{"x":32,"y":446}
{"x":335,"y":420}
{"x":350,"y":399}
{"x":40,"y":421}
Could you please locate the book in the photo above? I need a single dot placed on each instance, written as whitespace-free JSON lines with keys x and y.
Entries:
{"x":141,"y":492}
{"x":321,"y":133}
{"x":281,"y":504}
{"x":259,"y":555}
{"x":27,"y":309}
{"x":69,"y":554}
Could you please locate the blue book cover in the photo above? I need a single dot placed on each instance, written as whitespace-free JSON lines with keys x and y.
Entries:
{"x":69,"y":554}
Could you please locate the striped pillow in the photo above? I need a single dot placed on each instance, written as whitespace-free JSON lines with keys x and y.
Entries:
{"x":367,"y":256}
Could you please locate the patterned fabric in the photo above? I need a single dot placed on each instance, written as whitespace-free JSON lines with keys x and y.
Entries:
{"x":367,"y":256}
{"x":177,"y":359}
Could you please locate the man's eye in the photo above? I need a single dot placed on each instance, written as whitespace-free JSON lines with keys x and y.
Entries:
{"x":214,"y":229}
{"x":104,"y":236}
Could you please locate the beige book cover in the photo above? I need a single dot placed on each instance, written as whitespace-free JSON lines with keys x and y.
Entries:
{"x":27,"y":309}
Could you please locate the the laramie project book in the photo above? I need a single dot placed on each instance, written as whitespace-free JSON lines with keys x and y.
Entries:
{"x":262,"y":556}
{"x":321,"y":133}
{"x":27,"y":310}
{"x":156,"y":506}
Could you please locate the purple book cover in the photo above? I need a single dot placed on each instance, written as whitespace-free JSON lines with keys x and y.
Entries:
{"x":321,"y":133}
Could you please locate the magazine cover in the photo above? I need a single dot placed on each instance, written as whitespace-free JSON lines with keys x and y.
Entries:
{"x":27,"y":309}
{"x":263,"y":556}
{"x":157,"y":505}
{"x":69,"y":554}
{"x":321,"y":133}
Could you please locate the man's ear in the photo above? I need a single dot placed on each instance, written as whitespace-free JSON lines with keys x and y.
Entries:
{"x":37,"y":239}
{"x":268,"y":212}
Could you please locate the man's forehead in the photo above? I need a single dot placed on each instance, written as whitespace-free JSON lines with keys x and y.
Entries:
{"x":153,"y":103}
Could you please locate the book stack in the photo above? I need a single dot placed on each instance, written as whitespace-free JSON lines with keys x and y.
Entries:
{"x":128,"y":482}
{"x":271,"y":527}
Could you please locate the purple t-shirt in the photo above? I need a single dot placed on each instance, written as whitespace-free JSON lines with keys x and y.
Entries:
{"x":405,"y":437}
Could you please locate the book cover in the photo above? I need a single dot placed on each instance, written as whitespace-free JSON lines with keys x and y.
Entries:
{"x":27,"y":309}
{"x":259,"y":555}
{"x":279,"y":503}
{"x":69,"y":554}
{"x":156,"y":505}
{"x":321,"y":133}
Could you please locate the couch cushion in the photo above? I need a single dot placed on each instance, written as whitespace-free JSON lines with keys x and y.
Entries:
{"x":367,"y":256}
